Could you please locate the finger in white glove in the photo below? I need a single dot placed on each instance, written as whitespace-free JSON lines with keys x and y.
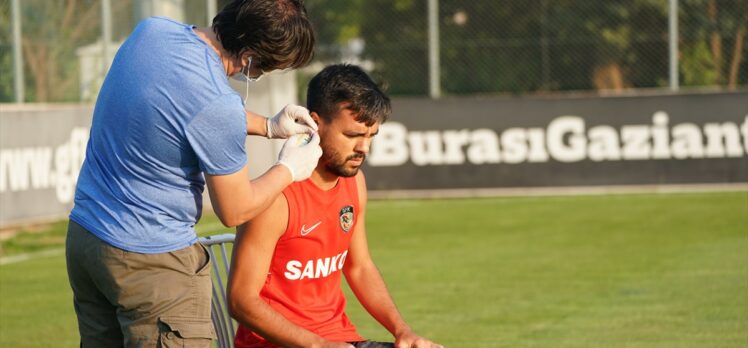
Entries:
{"x":292,"y":119}
{"x":300,"y":156}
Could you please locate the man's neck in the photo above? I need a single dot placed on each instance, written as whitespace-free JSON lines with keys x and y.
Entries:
{"x":210,"y":38}
{"x":323,"y":178}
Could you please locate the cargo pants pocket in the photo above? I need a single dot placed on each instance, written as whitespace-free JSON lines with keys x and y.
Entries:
{"x":179,"y":332}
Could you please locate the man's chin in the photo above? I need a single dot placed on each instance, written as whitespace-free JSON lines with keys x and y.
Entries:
{"x":349,"y":172}
{"x":351,"y":167}
{"x":345,"y":170}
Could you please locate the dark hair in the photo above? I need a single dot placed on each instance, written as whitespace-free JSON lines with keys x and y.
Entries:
{"x":345,"y":83}
{"x":278,"y":31}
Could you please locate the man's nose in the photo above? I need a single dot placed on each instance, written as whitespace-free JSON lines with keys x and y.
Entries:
{"x":363,"y":146}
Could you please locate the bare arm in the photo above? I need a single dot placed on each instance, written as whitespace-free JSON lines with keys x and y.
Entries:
{"x":236,"y":199}
{"x":250,"y":263}
{"x":364,"y":277}
{"x":367,"y":283}
{"x":256,"y":124}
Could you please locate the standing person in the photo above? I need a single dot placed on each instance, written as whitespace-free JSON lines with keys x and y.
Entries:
{"x":166,"y":122}
{"x":284,"y":287}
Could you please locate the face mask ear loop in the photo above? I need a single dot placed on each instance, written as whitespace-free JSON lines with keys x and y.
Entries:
{"x":246,"y":93}
{"x":246,"y":78}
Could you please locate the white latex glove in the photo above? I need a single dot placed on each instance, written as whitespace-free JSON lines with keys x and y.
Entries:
{"x":292,"y":119}
{"x":300,"y":156}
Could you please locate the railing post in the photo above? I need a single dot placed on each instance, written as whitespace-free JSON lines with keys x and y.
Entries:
{"x":673,"y":41}
{"x":106,"y":34}
{"x":434,"y":78}
{"x":211,"y":11}
{"x":18,"y":77}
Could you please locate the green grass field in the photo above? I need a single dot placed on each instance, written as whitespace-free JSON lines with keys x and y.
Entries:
{"x":659,"y":270}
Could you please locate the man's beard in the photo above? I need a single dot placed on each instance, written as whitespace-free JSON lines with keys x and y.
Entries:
{"x":338,"y":166}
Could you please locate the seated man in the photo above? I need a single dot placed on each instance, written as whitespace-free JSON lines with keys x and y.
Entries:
{"x":285,"y":282}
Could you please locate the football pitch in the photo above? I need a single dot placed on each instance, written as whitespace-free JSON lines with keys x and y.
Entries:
{"x":639,"y":270}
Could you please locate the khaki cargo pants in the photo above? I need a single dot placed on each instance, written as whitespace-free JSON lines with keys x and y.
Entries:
{"x":126,"y":299}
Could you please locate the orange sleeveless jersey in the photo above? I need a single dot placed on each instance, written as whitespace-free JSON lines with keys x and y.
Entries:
{"x":303,"y":283}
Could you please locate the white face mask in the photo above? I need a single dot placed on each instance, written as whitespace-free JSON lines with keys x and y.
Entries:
{"x":243,"y":76}
{"x":240,"y":76}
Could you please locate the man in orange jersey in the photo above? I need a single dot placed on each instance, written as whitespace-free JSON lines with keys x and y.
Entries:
{"x":285,"y":282}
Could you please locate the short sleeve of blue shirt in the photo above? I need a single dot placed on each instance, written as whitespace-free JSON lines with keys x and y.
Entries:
{"x":217,"y":136}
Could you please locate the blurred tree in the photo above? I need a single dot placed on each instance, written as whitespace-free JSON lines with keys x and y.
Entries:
{"x":487,"y":46}
{"x":336,"y":22}
{"x":611,"y":44}
{"x":6,"y":75}
{"x":713,"y":42}
{"x":6,"y":54}
{"x":395,"y":32}
{"x":554,"y":45}
{"x":52,"y":31}
{"x":490,"y":46}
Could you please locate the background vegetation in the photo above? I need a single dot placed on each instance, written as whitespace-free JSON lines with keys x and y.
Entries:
{"x":487,"y":46}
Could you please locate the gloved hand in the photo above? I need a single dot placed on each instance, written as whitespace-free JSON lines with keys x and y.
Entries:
{"x":292,"y":119}
{"x":300,"y":156}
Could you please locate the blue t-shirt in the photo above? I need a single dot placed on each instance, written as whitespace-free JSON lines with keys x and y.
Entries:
{"x":165,"y":115}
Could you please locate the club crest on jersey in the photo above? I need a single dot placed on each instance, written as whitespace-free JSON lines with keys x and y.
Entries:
{"x":346,"y":218}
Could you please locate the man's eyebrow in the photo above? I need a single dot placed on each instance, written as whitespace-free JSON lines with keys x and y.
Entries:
{"x":359,"y":132}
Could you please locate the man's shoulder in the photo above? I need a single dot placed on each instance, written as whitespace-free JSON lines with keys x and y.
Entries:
{"x":218,"y":105}
{"x":159,"y":23}
{"x":279,"y":205}
{"x":360,"y":182}
{"x":272,"y":220}
{"x":289,"y":190}
{"x":360,"y":176}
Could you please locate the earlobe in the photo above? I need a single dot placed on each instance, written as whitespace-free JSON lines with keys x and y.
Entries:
{"x":244,"y":58}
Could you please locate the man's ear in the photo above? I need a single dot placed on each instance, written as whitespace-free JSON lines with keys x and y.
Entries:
{"x":315,"y":117}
